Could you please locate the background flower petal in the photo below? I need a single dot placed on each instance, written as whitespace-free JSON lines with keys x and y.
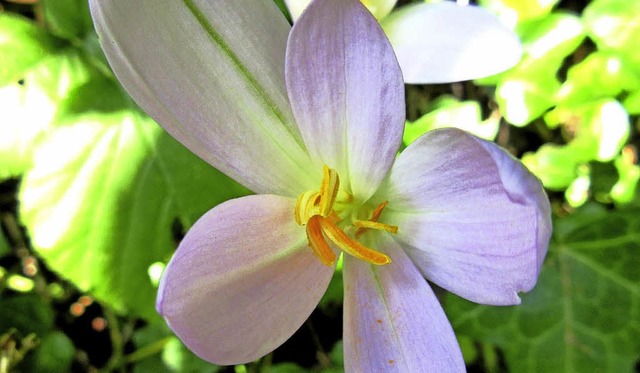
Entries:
{"x":444,"y":42}
{"x":392,"y":319}
{"x":212,"y":75}
{"x":472,"y":218}
{"x":346,"y":92}
{"x":242,"y":281}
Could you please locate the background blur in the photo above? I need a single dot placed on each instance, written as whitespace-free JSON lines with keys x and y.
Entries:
{"x":94,"y":197}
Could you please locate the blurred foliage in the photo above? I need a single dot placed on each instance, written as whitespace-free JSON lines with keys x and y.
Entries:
{"x":94,"y":197}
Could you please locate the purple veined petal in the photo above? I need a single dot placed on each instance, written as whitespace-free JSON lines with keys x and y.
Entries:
{"x":471,"y":217}
{"x":379,"y":8}
{"x":242,"y":281}
{"x":346,"y":91}
{"x":392,"y":319}
{"x":212,"y":75}
{"x":444,"y":42}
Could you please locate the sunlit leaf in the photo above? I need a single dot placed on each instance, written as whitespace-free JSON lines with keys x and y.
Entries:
{"x":625,"y":189}
{"x":600,"y":128}
{"x":519,"y":10}
{"x":601,"y":74}
{"x":615,"y":25}
{"x":555,"y":165}
{"x":105,"y":197}
{"x":632,"y":103}
{"x":584,"y":313}
{"x":29,"y":107}
{"x":528,"y":90}
{"x":22,"y":45}
{"x":449,"y":112}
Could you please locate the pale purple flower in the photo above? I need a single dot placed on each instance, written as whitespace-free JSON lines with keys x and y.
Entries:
{"x":315,"y":134}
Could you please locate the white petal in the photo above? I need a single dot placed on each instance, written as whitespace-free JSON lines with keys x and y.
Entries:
{"x":443,"y":42}
{"x":393,"y":321}
{"x":242,"y":281}
{"x":212,"y":75}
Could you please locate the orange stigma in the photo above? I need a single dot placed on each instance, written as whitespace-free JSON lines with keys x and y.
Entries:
{"x":316,"y":211}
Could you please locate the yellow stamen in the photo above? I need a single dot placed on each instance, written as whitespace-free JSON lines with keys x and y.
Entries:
{"x":376,"y":213}
{"x":368,"y":224}
{"x":328,"y":190}
{"x":305,"y":205}
{"x":318,"y":243}
{"x":372,"y":223}
{"x":315,"y":209}
{"x":351,"y":246}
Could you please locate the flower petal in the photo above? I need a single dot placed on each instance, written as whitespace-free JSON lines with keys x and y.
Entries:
{"x":212,"y":75}
{"x":444,"y":42}
{"x":242,"y":281}
{"x":472,"y":218}
{"x":379,"y":8}
{"x":346,"y":92}
{"x":392,"y":318}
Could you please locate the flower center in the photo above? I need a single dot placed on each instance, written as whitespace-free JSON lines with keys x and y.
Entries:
{"x":320,"y":211}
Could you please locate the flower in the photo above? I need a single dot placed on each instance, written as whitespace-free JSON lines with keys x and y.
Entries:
{"x":313,"y":129}
{"x":429,"y":37}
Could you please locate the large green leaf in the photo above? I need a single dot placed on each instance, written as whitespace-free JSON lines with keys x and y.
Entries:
{"x":584,"y":313}
{"x":22,"y":45}
{"x":28,"y":108}
{"x":105,"y":193}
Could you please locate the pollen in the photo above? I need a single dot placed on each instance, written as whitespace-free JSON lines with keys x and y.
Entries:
{"x":318,"y":211}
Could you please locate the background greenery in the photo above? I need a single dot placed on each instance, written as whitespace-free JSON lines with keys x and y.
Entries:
{"x":94,"y":197}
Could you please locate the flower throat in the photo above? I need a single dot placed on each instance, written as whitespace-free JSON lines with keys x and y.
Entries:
{"x":319,"y":211}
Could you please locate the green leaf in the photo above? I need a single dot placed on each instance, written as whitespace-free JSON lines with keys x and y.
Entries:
{"x":600,"y":75}
{"x":584,"y":313}
{"x":53,"y":355}
{"x":103,"y":197}
{"x":632,"y":103}
{"x":157,"y":350}
{"x":4,"y":245}
{"x":68,"y":19}
{"x":285,"y":368}
{"x":514,"y":10}
{"x":28,"y":108}
{"x":555,"y":165}
{"x":449,"y":112}
{"x":22,"y":46}
{"x":26,"y":313}
{"x":625,"y":189}
{"x":600,"y":128}
{"x":528,"y":90}
{"x":613,"y":25}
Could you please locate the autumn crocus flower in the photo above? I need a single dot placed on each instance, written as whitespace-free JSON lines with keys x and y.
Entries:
{"x":441,"y":42}
{"x":312,"y":124}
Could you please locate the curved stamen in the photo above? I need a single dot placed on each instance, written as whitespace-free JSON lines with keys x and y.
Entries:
{"x":351,"y":246}
{"x":317,"y":242}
